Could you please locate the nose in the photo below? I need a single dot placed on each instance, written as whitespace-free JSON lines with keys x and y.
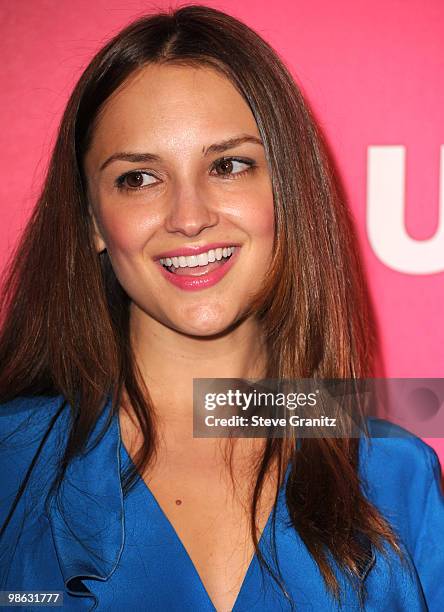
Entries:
{"x":191,"y":211}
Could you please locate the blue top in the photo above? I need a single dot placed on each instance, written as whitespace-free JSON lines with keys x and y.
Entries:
{"x":105,"y":552}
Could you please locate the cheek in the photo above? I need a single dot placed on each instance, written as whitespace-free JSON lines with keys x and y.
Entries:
{"x":253,"y":209}
{"x":126,"y":232}
{"x":257,"y":219}
{"x":263,"y":220}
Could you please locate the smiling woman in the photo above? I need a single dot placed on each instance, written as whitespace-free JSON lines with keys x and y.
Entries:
{"x":189,"y":227}
{"x":169,"y":203}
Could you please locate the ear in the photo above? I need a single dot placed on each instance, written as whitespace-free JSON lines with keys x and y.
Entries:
{"x":99,"y":242}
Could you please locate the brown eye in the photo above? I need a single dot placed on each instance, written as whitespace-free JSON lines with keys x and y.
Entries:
{"x":225,"y":165}
{"x":230,"y":167}
{"x":134,"y":179}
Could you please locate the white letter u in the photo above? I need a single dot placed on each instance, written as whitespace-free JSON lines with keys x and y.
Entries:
{"x":385,"y":215}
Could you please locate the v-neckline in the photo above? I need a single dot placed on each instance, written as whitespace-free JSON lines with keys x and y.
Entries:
{"x":176,"y":537}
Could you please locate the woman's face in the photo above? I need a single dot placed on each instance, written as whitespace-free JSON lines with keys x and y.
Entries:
{"x":181,"y":197}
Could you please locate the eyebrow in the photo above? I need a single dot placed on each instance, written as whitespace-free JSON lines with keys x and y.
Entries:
{"x":216,"y":147}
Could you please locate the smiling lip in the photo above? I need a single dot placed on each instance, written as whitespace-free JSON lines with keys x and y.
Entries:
{"x":194,"y":283}
{"x":195,"y":250}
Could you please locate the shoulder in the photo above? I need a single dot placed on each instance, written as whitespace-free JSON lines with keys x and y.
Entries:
{"x":395,"y":453}
{"x":25,"y":419}
{"x":401,"y":475}
{"x":32,"y":429}
{"x":27,"y":408}
{"x":402,"y":478}
{"x":23,"y":407}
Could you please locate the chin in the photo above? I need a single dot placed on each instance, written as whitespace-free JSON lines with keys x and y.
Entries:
{"x":206,"y":321}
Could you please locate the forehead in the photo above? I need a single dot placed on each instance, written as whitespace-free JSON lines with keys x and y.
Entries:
{"x":172,"y":104}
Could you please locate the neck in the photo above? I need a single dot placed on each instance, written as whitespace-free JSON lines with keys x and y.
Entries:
{"x":169,"y":360}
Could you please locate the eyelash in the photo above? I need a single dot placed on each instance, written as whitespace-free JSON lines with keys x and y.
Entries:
{"x":120,"y":181}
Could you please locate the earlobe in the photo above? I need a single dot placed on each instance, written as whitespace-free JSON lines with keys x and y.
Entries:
{"x":99,"y":243}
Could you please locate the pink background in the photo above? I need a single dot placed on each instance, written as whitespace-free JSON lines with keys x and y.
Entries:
{"x":372,"y":71}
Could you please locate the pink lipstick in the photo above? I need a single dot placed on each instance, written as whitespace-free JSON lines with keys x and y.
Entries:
{"x":194,"y":268}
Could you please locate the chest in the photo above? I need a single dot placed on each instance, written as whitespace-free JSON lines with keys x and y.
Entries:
{"x":211,"y":520}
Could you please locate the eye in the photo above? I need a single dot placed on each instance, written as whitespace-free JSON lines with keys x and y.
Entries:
{"x":135,"y":180}
{"x":229,"y":166}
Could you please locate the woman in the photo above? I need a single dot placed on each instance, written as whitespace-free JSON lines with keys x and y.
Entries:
{"x":189,"y":228}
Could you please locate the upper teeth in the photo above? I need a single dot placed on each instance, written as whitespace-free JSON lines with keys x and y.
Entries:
{"x":203,"y":259}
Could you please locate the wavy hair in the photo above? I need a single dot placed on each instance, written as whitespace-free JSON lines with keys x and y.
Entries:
{"x":65,"y":317}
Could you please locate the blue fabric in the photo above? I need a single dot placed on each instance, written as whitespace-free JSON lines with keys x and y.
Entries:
{"x":109,"y":553}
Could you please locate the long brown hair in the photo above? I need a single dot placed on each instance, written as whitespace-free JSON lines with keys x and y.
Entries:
{"x":66,"y":318}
